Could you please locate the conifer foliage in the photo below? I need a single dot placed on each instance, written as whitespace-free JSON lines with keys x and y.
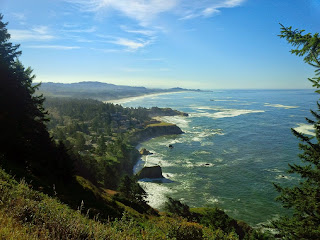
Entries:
{"x":304,"y":199}
{"x":24,"y":139}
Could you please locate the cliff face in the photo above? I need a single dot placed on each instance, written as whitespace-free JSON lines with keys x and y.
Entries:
{"x":157,"y":112}
{"x":150,"y":172}
{"x":154,"y":131}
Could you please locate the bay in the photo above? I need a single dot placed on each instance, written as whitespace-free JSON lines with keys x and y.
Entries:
{"x":236,"y":144}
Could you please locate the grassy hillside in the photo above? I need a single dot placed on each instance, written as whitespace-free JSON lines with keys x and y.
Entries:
{"x":29,"y":214}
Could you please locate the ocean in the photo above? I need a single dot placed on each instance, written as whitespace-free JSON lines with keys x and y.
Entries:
{"x":236,"y":144}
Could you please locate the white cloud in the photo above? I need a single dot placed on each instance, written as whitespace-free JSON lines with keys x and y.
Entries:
{"x":41,"y":30}
{"x":233,"y":3}
{"x":131,"y":45}
{"x":19,"y":16}
{"x":78,"y":30}
{"x":36,"y":34}
{"x":144,"y":11}
{"x":56,"y":47}
{"x":145,"y":32}
{"x":205,"y":8}
{"x":105,"y":50}
{"x":209,"y":11}
{"x":145,"y":69}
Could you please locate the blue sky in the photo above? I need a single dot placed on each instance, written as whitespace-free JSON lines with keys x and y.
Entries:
{"x":207,"y":44}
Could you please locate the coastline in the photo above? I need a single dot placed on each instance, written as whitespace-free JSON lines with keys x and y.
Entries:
{"x":147,"y":134}
{"x":129,"y":99}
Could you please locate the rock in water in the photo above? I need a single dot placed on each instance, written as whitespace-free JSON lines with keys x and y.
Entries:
{"x":150,"y":172}
{"x":144,"y":151}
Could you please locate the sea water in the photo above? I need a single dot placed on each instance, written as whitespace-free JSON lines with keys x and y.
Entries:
{"x":236,"y":144}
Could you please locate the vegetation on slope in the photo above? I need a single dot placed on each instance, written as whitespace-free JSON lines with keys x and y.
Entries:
{"x":29,"y":214}
{"x":102,"y":136}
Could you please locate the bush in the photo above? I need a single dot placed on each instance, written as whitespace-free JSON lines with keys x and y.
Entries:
{"x":186,"y":231}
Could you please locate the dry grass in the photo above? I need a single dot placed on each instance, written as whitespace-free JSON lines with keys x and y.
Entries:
{"x":28,"y":214}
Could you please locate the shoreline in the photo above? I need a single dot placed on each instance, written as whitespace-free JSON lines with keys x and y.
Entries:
{"x":147,"y":134}
{"x":129,"y":99}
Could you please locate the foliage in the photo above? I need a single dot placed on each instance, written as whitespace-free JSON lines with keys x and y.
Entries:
{"x":177,"y":208}
{"x":223,"y":226}
{"x":133,"y":195}
{"x":28,"y":214}
{"x":186,"y":231}
{"x":96,"y":134}
{"x":131,"y":189}
{"x":304,"y":199}
{"x":24,"y":139}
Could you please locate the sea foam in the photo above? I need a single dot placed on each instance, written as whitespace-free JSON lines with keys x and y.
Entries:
{"x":305,"y":129}
{"x":279,"y":106}
{"x":225,"y":113}
{"x":180,"y":121}
{"x":157,"y":193}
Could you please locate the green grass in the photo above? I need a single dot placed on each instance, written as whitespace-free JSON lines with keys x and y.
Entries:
{"x":28,"y":214}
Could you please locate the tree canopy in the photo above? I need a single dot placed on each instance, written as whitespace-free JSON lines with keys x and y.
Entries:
{"x":24,"y":139}
{"x":304,"y":199}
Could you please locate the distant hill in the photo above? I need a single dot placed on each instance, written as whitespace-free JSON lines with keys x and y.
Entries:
{"x":98,"y":90}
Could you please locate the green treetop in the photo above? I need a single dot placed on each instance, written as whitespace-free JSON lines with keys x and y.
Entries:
{"x":304,"y":199}
{"x":24,"y":139}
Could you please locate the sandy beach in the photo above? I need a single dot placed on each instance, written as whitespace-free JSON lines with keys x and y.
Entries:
{"x":129,"y":99}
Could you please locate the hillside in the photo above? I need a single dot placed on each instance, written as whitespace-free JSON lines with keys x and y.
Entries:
{"x":98,"y":90}
{"x":29,"y":214}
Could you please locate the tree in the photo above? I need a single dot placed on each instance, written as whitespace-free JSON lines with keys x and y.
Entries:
{"x":178,"y":208}
{"x":304,"y":198}
{"x":24,"y":139}
{"x":21,"y":112}
{"x":131,"y":190}
{"x":101,"y":148}
{"x":80,"y":141}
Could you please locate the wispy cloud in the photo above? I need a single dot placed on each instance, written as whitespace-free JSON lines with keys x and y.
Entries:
{"x":79,"y":30}
{"x":39,"y":33}
{"x":141,"y":10}
{"x":204,"y":8}
{"x":106,"y":50}
{"x":141,"y":31}
{"x":41,"y":30}
{"x":55,"y":47}
{"x":130,"y":45}
{"x":19,"y":16}
{"x":144,"y":11}
{"x":145,"y":69}
{"x":154,"y":59}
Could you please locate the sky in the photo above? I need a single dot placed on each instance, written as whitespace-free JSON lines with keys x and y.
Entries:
{"x":206,"y":44}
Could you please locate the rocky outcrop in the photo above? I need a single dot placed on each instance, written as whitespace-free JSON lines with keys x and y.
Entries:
{"x":150,"y":172}
{"x":152,"y":132}
{"x":144,"y":151}
{"x":157,"y":112}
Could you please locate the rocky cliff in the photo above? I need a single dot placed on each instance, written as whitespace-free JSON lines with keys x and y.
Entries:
{"x":158,"y":112}
{"x":150,"y":172}
{"x":153,"y":131}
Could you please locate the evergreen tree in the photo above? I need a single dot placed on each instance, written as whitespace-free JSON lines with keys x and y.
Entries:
{"x":24,"y":139}
{"x":131,"y":190}
{"x":101,"y":148}
{"x":304,"y":199}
